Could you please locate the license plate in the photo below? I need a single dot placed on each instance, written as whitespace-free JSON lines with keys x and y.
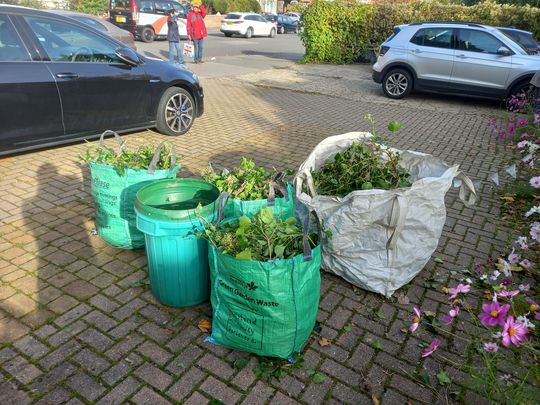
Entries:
{"x":229,"y":23}
{"x":120,"y":18}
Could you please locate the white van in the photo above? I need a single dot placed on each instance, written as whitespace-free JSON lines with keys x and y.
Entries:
{"x":146,"y":19}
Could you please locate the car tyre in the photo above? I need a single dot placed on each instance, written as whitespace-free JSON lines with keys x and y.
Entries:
{"x":397,"y":83}
{"x":282,"y":30}
{"x":148,"y":35}
{"x":524,"y":93}
{"x":228,"y":34}
{"x":272,"y":33}
{"x":249,"y":33}
{"x":176,"y":112}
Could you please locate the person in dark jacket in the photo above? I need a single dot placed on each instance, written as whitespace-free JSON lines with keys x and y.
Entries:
{"x":196,"y":28}
{"x":173,"y":36}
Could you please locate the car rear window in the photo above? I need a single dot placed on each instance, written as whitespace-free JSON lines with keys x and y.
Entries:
{"x":233,"y":17}
{"x":120,"y":4}
{"x":524,"y":39}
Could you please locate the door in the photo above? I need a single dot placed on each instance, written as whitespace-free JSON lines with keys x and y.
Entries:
{"x":431,"y":54}
{"x":477,"y":62}
{"x":29,"y":101}
{"x":98,"y":92}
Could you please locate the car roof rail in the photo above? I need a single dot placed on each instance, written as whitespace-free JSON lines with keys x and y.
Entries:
{"x":470,"y":24}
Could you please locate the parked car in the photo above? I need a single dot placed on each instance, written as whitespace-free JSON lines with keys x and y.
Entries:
{"x":283,"y":23}
{"x":64,"y":81}
{"x":247,"y":25}
{"x":523,"y":38}
{"x":294,"y":16}
{"x":147,"y":19}
{"x":453,"y":58}
{"x":100,"y":24}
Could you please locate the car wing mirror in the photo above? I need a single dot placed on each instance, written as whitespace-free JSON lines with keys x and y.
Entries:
{"x":128,"y":56}
{"x":504,"y":51}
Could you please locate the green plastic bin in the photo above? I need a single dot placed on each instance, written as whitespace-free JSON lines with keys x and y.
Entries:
{"x":177,"y":259}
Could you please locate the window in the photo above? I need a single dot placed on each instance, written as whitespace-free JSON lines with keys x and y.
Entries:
{"x":434,"y":37}
{"x":478,"y":41}
{"x":147,"y":6}
{"x":233,"y":17}
{"x":120,"y":4}
{"x":11,"y":46}
{"x":64,"y":42}
{"x":93,"y":23}
{"x":163,"y":7}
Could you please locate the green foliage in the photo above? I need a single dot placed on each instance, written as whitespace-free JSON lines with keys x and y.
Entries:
{"x":137,"y":160}
{"x":96,"y":7}
{"x":264,"y":237}
{"x":245,"y":182}
{"x":25,"y":3}
{"x":342,"y":31}
{"x":228,"y":6}
{"x":362,"y":166}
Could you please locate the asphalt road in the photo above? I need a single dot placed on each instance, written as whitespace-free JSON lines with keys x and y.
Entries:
{"x":236,"y":55}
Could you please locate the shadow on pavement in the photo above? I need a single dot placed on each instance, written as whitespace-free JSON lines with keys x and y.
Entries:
{"x":276,"y":55}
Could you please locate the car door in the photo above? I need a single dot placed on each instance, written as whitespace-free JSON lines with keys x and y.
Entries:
{"x":30,"y":107}
{"x":98,"y":92}
{"x":251,"y":22}
{"x":477,"y":62}
{"x":264,"y":26}
{"x":431,"y":53}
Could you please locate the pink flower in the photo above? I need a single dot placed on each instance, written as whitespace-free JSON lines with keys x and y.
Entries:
{"x":513,"y":258}
{"x":416,"y":319}
{"x":493,"y":314}
{"x":533,"y":307}
{"x":449,"y":318}
{"x":491,"y":347}
{"x":535,"y":231}
{"x":535,"y":182}
{"x":434,"y":345}
{"x":522,"y":144}
{"x":508,"y":294}
{"x":521,"y":122}
{"x":513,"y":333}
{"x":511,"y":128}
{"x":460,"y":289}
{"x":522,"y":242}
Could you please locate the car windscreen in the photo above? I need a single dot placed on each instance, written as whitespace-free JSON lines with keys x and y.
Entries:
{"x":233,"y":17}
{"x":120,"y":4}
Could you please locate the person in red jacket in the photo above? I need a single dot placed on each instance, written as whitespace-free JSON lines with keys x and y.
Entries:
{"x":196,"y":29}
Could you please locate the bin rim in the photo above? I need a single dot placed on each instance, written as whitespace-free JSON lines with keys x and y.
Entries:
{"x":175,"y":215}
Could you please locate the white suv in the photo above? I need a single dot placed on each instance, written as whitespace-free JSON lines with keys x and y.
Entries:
{"x":453,"y":58}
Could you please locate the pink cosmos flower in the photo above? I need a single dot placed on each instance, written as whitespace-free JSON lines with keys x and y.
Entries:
{"x":491,"y":347}
{"x":416,"y":319}
{"x":493,"y":314}
{"x":460,"y":289}
{"x":513,"y":258}
{"x":508,"y":294}
{"x":533,"y":307}
{"x":513,"y":333}
{"x":434,"y":345}
{"x":535,"y":231}
{"x":522,"y":144}
{"x":521,"y":122}
{"x":449,"y":318}
{"x":535,"y":181}
{"x":511,"y":128}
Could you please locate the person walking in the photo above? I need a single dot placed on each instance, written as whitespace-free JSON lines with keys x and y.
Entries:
{"x":196,"y":28}
{"x":173,"y":36}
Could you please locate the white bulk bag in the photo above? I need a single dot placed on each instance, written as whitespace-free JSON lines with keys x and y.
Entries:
{"x":381,"y":239}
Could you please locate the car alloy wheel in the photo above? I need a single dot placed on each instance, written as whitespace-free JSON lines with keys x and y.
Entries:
{"x":147,"y":35}
{"x":249,"y":32}
{"x":176,"y":112}
{"x":282,"y":30}
{"x":397,"y":83}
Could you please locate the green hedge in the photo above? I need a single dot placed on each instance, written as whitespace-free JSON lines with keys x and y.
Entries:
{"x":227,"y":6}
{"x":342,"y":31}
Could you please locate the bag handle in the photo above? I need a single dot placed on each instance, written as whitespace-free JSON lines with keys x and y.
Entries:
{"x":400,"y":208}
{"x":221,"y":204}
{"x":118,"y":138}
{"x":157,"y":153}
{"x":466,"y":185}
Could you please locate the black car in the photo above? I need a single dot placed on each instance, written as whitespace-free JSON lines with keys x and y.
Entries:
{"x":283,"y":23}
{"x":62,"y":81}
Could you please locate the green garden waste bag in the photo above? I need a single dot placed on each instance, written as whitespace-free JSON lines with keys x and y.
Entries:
{"x":114,"y":195}
{"x":266,"y":308}
{"x":282,"y":206}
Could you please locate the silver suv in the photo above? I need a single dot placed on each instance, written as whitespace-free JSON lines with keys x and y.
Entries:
{"x":453,"y":58}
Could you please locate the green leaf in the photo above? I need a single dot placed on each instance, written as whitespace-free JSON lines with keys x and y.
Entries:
{"x":437,"y":260}
{"x":215,"y":402}
{"x":240,"y":363}
{"x":318,"y":378}
{"x":381,"y":315}
{"x":310,"y":371}
{"x":244,"y":221}
{"x":425,"y":378}
{"x":394,"y":126}
{"x":443,"y":378}
{"x":377,"y":345}
{"x":279,"y":250}
{"x":291,"y":221}
{"x":244,"y":255}
{"x":347,"y":328}
{"x":180,"y":364}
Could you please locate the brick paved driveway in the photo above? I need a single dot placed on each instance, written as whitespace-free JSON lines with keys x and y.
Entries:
{"x":78,"y":325}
